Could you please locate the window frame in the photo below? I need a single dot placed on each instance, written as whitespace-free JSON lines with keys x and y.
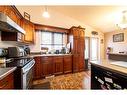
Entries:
{"x":52,"y":37}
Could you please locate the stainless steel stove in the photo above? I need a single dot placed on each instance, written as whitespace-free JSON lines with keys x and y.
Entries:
{"x":23,"y":76}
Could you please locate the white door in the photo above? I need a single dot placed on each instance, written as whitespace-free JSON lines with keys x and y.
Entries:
{"x":87,"y":47}
{"x":94,"y":48}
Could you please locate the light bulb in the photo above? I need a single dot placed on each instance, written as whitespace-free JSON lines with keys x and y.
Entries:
{"x":46,"y":14}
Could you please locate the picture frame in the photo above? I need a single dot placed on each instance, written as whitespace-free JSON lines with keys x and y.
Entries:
{"x":26,"y":16}
{"x":118,"y":37}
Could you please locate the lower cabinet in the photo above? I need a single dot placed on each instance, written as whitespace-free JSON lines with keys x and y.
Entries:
{"x":67,"y":67}
{"x":75,"y":63}
{"x":52,"y":65}
{"x":37,"y":68}
{"x":47,"y":66}
{"x":7,"y":82}
{"x":58,"y":65}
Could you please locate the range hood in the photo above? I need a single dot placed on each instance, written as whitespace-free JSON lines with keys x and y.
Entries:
{"x":8,"y":25}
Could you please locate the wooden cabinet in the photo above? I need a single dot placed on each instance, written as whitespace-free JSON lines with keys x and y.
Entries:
{"x":75,"y":63}
{"x":47,"y":66}
{"x":37,"y":68}
{"x":58,"y":65}
{"x":2,"y":9}
{"x":12,"y":36}
{"x":77,"y":40}
{"x":43,"y":67}
{"x":67,"y":64}
{"x":29,"y":28}
{"x":7,"y":82}
{"x":52,"y":65}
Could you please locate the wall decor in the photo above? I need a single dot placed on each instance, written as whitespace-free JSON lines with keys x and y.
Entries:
{"x":118,"y":37}
{"x":102,"y":41}
{"x":26,"y":16}
{"x":94,"y":33}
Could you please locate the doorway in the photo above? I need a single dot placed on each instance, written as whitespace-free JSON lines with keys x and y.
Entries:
{"x":91,"y":48}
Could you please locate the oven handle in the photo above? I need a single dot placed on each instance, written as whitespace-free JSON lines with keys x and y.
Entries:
{"x":28,"y":68}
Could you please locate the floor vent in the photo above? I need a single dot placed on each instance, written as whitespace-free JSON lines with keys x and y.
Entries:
{"x":51,"y":76}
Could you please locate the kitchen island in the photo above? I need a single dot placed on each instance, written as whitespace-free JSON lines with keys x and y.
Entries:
{"x":108,"y":74}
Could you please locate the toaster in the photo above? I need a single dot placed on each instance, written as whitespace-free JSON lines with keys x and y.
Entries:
{"x":16,"y":52}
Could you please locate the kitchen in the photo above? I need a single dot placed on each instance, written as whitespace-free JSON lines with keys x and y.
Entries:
{"x":37,"y":53}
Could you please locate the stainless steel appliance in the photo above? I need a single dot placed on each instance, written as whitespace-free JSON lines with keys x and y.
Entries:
{"x":23,"y":75}
{"x":16,"y":52}
{"x":27,"y":50}
{"x":3,"y":52}
{"x":27,"y":75}
{"x":7,"y":24}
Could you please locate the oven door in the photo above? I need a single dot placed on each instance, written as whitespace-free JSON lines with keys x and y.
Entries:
{"x":27,"y":77}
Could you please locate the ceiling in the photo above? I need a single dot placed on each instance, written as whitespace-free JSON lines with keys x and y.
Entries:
{"x":102,"y":18}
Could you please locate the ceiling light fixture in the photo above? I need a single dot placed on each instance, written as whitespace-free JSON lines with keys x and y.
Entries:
{"x":45,"y":13}
{"x":123,"y":22}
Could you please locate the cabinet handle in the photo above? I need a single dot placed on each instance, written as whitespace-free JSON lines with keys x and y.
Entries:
{"x":5,"y":84}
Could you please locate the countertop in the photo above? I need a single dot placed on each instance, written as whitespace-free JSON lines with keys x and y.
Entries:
{"x":120,"y":66}
{"x":6,"y":71}
{"x":34,"y":55}
{"x":118,"y":54}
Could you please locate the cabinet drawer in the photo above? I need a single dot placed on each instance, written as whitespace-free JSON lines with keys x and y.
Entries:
{"x":67,"y":58}
{"x":58,"y":59}
{"x":7,"y":82}
{"x":46,"y":59}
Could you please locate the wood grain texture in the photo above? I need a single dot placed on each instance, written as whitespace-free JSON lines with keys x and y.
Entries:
{"x":77,"y":40}
{"x":7,"y":82}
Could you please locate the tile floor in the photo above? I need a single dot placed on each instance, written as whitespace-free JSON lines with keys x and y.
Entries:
{"x":75,"y":81}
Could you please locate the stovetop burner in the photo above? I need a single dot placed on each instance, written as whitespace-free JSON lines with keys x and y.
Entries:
{"x":18,"y":62}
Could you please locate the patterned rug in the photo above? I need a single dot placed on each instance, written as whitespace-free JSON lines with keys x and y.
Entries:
{"x":68,"y":81}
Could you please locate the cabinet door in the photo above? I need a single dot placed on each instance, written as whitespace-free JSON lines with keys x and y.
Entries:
{"x":7,"y":82}
{"x":47,"y":66}
{"x":75,"y":45}
{"x":81,"y":63}
{"x":37,"y":68}
{"x":2,"y":9}
{"x":58,"y":65}
{"x":81,"y":46}
{"x":67,"y":64}
{"x":81,"y":49}
{"x":29,"y":28}
{"x":75,"y":62}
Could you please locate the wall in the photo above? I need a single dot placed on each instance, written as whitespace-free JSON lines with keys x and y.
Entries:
{"x":116,"y":46}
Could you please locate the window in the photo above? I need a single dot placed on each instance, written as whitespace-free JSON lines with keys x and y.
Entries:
{"x":53,"y":40}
